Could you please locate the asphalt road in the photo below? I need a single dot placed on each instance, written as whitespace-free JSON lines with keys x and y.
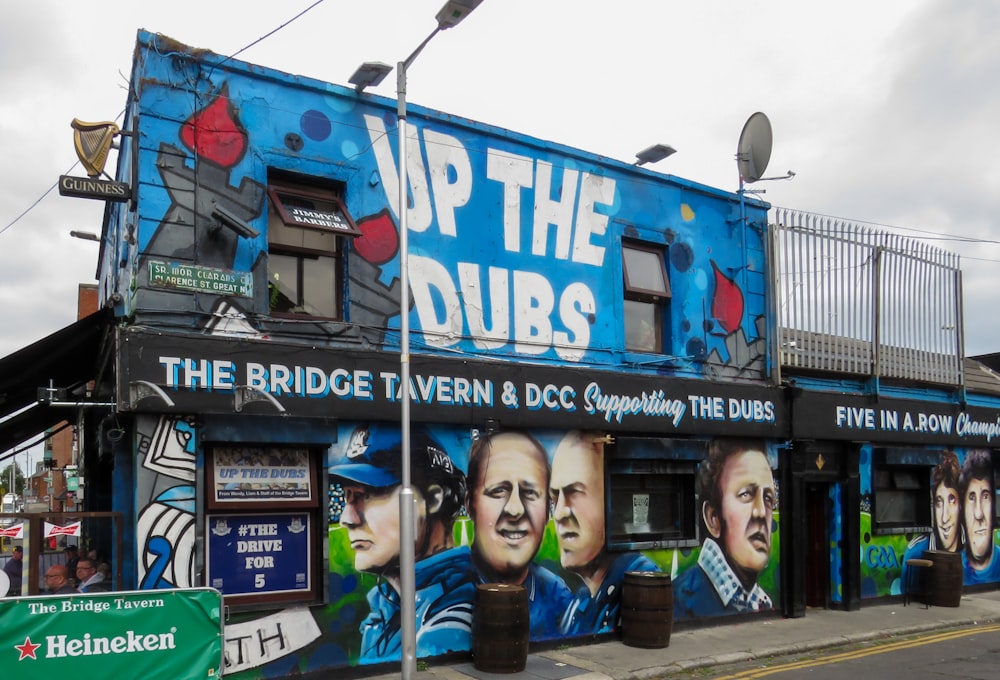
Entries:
{"x":957,"y":654}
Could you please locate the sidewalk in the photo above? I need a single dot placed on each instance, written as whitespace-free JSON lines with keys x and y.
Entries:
{"x":722,"y":644}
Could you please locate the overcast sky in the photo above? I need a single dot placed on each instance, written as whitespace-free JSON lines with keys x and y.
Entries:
{"x":888,"y":111}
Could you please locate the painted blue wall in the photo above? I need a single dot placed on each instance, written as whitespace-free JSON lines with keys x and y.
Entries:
{"x":515,"y":242}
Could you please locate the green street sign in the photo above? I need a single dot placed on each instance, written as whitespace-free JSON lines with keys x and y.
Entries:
{"x":138,"y":634}
{"x":200,"y":279}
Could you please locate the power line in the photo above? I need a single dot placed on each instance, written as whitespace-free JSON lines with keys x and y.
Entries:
{"x":231,"y":56}
{"x":37,"y":201}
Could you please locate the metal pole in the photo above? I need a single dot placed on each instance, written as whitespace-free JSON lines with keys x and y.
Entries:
{"x":407,"y":502}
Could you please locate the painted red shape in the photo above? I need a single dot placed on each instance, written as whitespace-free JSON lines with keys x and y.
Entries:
{"x":727,"y":304}
{"x":215,"y":134}
{"x":379,"y":241}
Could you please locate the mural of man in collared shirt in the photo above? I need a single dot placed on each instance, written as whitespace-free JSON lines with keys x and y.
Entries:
{"x":738,"y":497}
{"x":371,"y":477}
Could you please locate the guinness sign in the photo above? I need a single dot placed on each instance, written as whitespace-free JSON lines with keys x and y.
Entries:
{"x":92,"y":142}
{"x":89,"y":187}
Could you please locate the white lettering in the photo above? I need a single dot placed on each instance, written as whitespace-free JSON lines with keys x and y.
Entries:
{"x":444,"y":154}
{"x":59,"y":646}
{"x":555,"y":212}
{"x":515,"y":173}
{"x":534,"y":303}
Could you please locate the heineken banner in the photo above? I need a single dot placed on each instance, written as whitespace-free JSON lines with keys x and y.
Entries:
{"x":141,"y":634}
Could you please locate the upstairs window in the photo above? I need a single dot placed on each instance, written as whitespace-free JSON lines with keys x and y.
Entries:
{"x":307,"y":225}
{"x":646,"y":291}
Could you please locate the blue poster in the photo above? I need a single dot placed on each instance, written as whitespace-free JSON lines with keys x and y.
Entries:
{"x":258,"y":554}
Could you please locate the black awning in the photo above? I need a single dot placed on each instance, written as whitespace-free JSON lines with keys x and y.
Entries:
{"x":68,"y":359}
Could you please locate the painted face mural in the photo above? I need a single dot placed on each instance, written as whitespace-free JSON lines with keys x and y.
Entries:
{"x":947,"y":499}
{"x":508,"y":504}
{"x":742,"y":523}
{"x":975,"y":483}
{"x":979,"y":520}
{"x":738,"y":501}
{"x":371,"y":517}
{"x":577,"y":494}
{"x":371,"y":479}
{"x":946,"y":517}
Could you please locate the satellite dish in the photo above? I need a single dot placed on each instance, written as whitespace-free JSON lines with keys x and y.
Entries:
{"x":754,"y":149}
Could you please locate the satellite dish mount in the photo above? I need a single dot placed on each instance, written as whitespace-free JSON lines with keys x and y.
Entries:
{"x":754,"y":149}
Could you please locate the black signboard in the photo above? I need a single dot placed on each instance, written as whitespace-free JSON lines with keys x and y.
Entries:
{"x":324,"y":214}
{"x":90,"y":187}
{"x":198,"y":374}
{"x":863,"y":418}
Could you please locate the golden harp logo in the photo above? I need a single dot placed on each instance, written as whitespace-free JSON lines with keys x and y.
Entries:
{"x":92,"y":142}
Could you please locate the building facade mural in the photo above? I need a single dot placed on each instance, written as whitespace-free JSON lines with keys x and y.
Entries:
{"x":522,"y":507}
{"x":592,"y":384}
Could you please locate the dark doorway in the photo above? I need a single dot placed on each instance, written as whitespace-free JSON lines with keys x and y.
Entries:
{"x":817,"y":544}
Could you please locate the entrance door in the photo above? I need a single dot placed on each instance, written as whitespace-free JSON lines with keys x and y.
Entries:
{"x":817,"y":544}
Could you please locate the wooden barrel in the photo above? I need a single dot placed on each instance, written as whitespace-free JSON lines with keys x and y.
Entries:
{"x":647,"y":609}
{"x":501,"y":627}
{"x":944,"y":588}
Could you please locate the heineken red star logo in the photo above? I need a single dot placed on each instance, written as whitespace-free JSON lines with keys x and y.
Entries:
{"x":27,"y":649}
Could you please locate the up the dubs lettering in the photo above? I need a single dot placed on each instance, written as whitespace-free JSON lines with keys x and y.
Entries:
{"x":543,"y":318}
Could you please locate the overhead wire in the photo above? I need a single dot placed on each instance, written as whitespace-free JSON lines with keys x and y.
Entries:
{"x":231,"y":56}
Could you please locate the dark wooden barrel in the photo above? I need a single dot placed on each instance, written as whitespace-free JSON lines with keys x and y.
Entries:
{"x":944,"y":587}
{"x":501,"y":628}
{"x":647,"y":609}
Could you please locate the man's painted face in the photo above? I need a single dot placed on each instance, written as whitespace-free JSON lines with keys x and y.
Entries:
{"x":509,"y":505}
{"x":371,"y":517}
{"x":747,"y":487}
{"x":946,"y":517}
{"x":979,"y":520}
{"x":577,"y":494}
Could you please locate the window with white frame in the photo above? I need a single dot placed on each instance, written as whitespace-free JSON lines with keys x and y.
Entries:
{"x":647,"y":289}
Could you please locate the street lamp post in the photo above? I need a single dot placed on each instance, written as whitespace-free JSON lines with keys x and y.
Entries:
{"x":450,"y":15}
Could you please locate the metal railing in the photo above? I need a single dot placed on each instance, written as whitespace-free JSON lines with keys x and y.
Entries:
{"x":851,"y":298}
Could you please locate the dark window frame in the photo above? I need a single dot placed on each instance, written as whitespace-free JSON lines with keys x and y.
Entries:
{"x":654,"y":299}
{"x":307,"y":189}
{"x":892,"y":483}
{"x":635,"y":466}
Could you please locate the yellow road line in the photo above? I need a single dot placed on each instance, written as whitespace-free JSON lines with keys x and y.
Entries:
{"x":858,"y":653}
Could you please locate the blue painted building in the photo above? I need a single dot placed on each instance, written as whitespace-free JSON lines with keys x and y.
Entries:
{"x":559,"y":299}
{"x":601,"y":381}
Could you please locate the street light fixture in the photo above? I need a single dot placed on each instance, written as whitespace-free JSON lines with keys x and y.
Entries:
{"x":654,"y":154}
{"x":450,"y":15}
{"x":369,"y":74}
{"x":85,"y":235}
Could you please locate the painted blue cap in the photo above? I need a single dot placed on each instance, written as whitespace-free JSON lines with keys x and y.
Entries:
{"x":372,"y":457}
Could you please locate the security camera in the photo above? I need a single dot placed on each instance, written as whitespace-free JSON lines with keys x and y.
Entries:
{"x":232,"y":221}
